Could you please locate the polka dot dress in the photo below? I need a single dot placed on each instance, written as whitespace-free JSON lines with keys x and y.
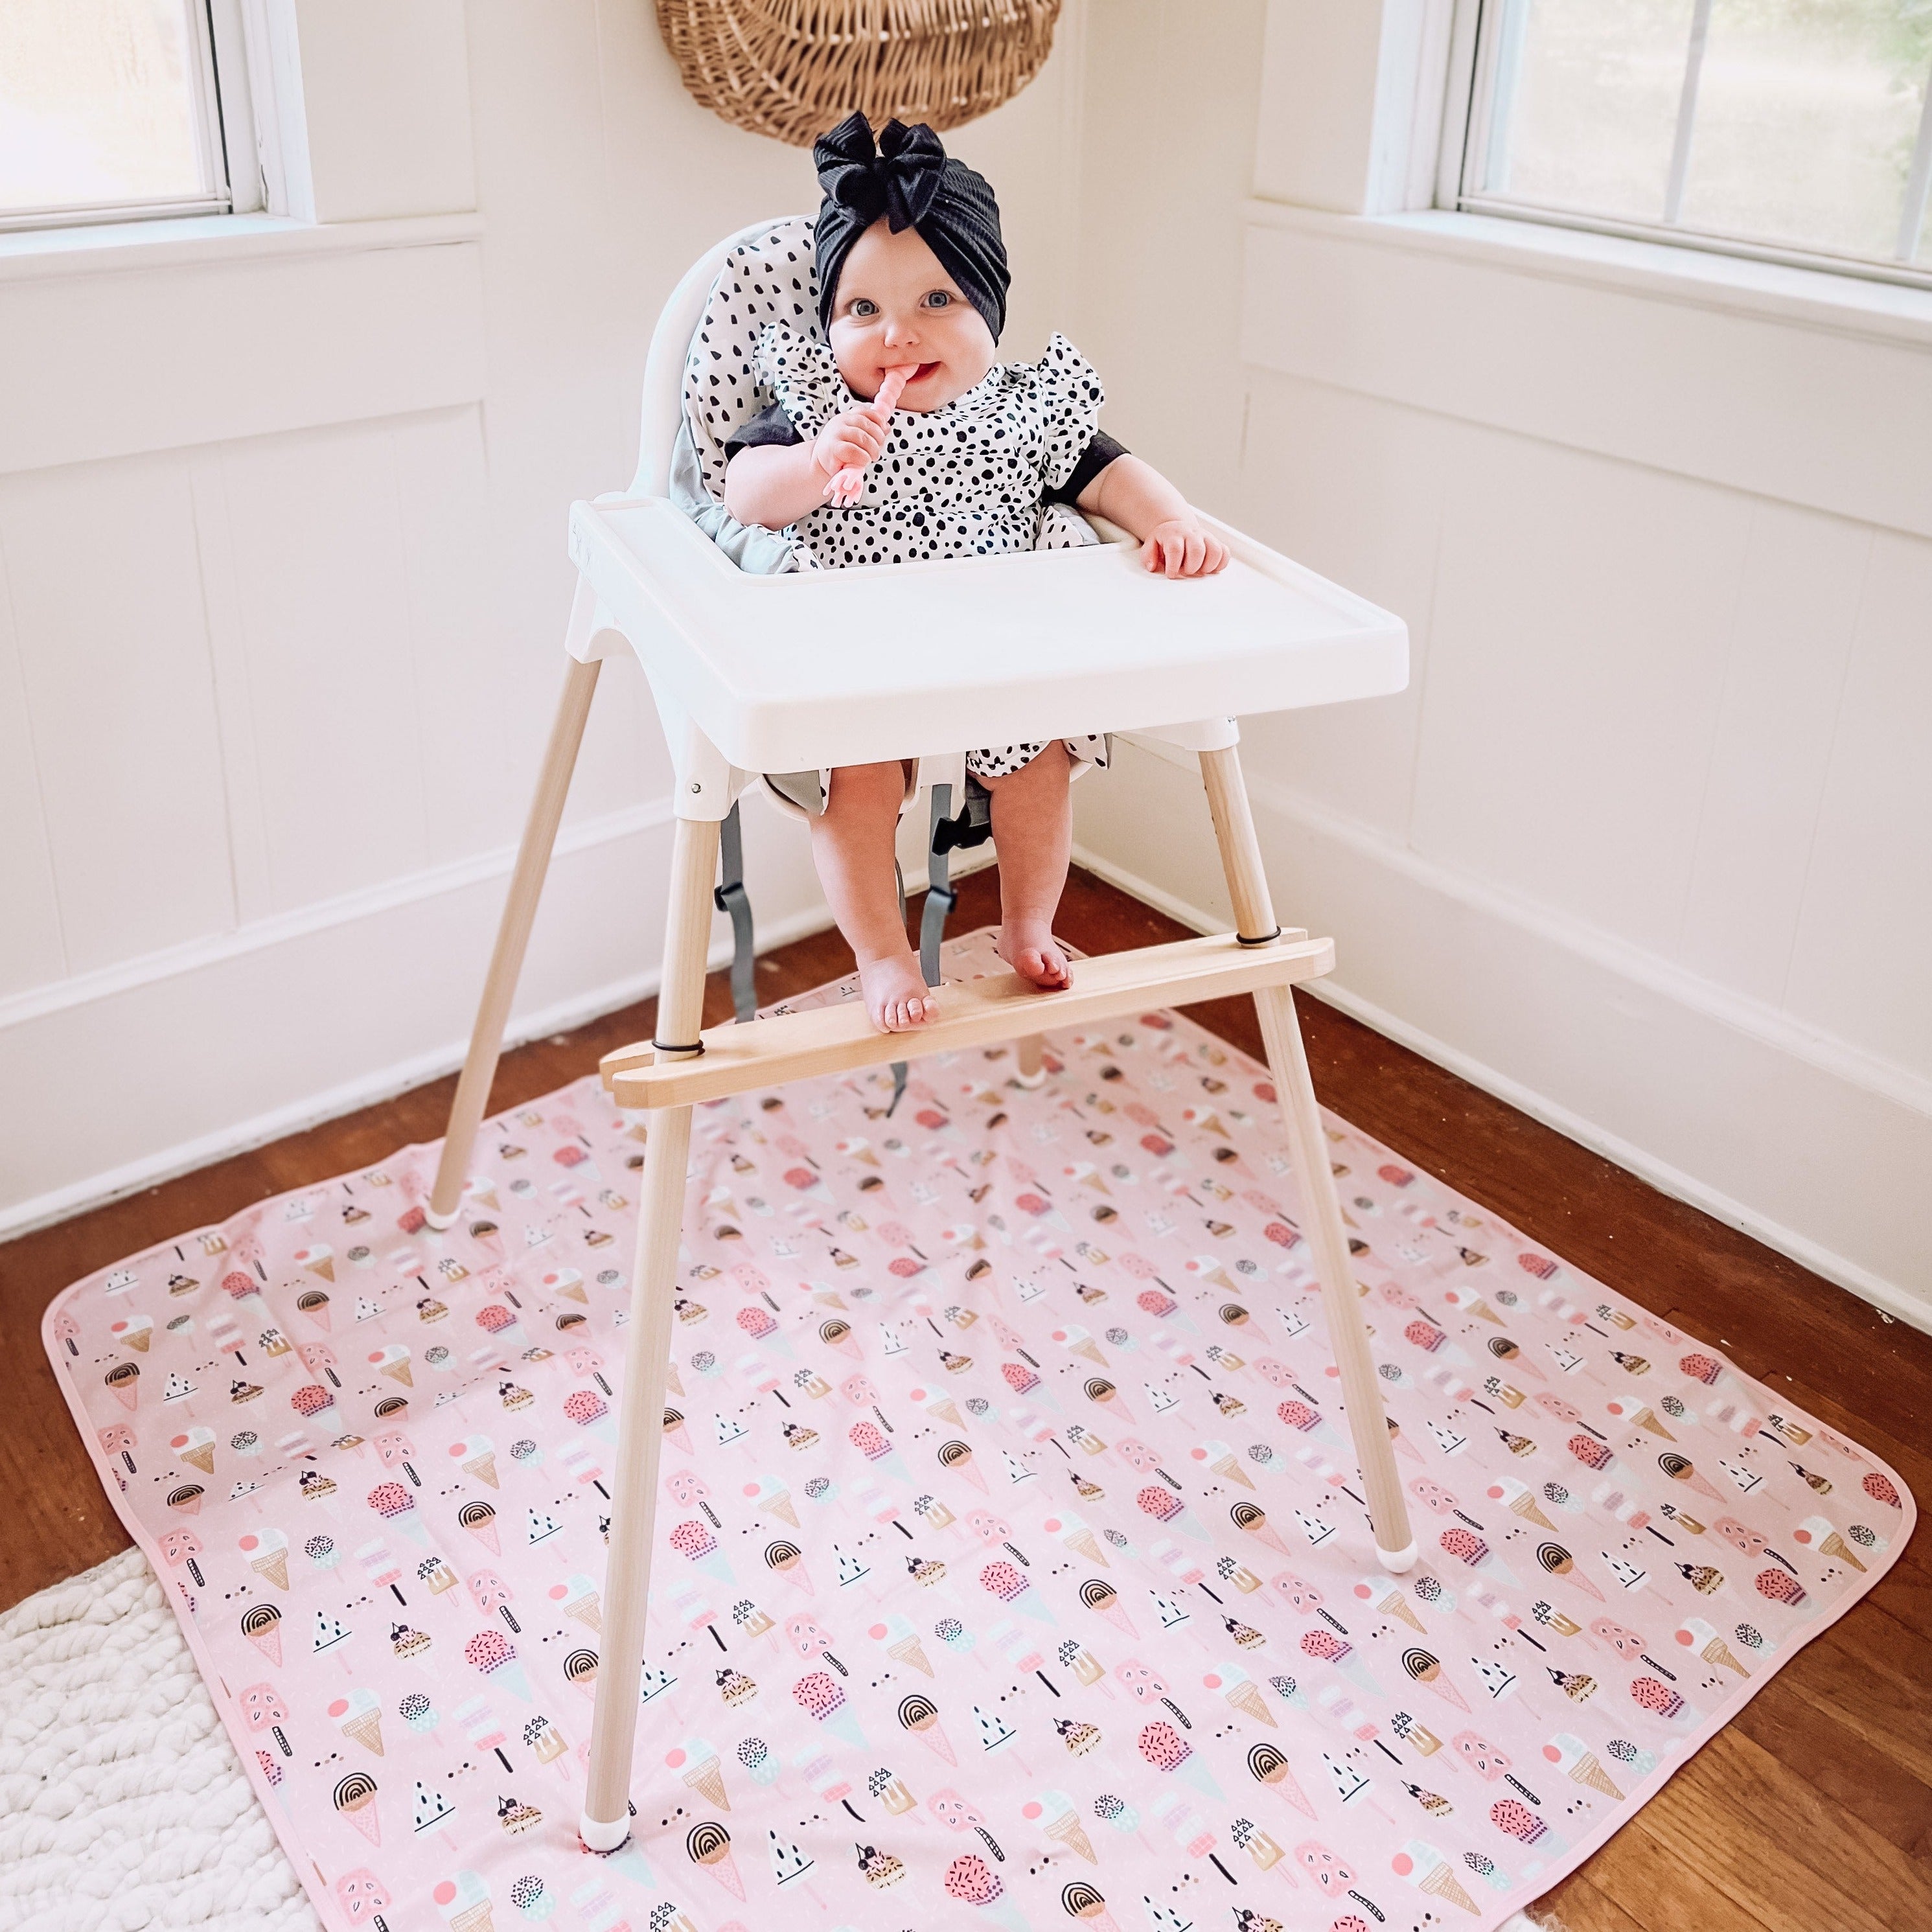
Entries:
{"x":967,"y":480}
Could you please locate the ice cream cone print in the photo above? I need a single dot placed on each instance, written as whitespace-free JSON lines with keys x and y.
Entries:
{"x":1816,"y":1533}
{"x":1248,"y":1700}
{"x":483,"y":1466}
{"x":359,"y":1717}
{"x":1053,"y":1811}
{"x":1701,"y":1641}
{"x":319,"y":1259}
{"x":356,"y":1800}
{"x":1467,"y":1301}
{"x":1388,"y":1600}
{"x":1578,"y":1763}
{"x":1269,"y":1764}
{"x":697,"y":1763}
{"x":1637,"y":1415}
{"x":1086,"y":1907}
{"x":1429,"y":1872}
{"x":1426,"y":1670}
{"x":464,"y":1902}
{"x":1252,"y":1518}
{"x":709,"y":1846}
{"x":908,"y":1651}
{"x":195,"y":1447}
{"x":267,"y":1551}
{"x":262,"y":1625}
{"x":393,"y":1361}
{"x":134,"y":1331}
{"x":1681,"y":1469}
{"x":579,"y":1599}
{"x":919,"y":1715}
{"x":769,"y":1495}
{"x":1103,"y":1598}
{"x":1519,"y":1499}
{"x":946,"y":1410}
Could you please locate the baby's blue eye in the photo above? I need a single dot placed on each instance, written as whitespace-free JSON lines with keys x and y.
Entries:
{"x":864,"y":307}
{"x":939,"y":298}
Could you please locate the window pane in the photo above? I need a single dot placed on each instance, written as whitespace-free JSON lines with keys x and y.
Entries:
{"x":1806,"y":120}
{"x":1585,"y":104}
{"x":98,"y":104}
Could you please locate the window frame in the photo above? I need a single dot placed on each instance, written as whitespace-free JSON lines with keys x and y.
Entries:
{"x":1469,"y":126}
{"x":229,"y":37}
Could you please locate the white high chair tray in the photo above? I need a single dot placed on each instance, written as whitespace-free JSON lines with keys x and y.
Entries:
{"x":831,"y":667}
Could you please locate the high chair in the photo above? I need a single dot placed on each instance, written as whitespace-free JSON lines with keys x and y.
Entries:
{"x":754,"y":675}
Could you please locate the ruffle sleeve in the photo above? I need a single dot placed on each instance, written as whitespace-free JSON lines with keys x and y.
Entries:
{"x":1070,"y":395}
{"x":801,"y":376}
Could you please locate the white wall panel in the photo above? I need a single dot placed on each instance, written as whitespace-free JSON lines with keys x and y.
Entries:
{"x":106,"y":595}
{"x":333,"y":696}
{"x":1669,"y":375}
{"x":1577,"y":648}
{"x":1797,"y":602}
{"x":1861,"y":967}
{"x":30,"y":953}
{"x":386,"y":93}
{"x":1647,"y":846}
{"x":457,"y":643}
{"x":379,"y":425}
{"x":1359,"y":491}
{"x":169,"y":357}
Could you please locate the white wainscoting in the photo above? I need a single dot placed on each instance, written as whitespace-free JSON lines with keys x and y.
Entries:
{"x":283,"y":581}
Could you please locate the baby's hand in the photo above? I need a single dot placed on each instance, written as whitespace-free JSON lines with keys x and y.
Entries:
{"x":1180,"y":547}
{"x":850,"y":441}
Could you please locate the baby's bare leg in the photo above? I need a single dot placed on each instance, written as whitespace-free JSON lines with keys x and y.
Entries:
{"x":852,"y":843}
{"x":1032,"y":828}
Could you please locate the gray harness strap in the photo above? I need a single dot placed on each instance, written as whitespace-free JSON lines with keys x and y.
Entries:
{"x":730,"y":897}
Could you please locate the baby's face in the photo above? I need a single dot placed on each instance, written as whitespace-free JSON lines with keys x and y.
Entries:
{"x":897,"y":307}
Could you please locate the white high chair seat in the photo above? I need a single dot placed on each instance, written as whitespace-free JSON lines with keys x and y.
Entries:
{"x":793,"y":672}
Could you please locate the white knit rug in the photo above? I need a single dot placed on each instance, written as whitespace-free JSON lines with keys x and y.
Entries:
{"x":122,"y":1803}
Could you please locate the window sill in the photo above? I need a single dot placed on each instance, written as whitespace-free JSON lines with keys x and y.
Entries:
{"x":117,"y":248}
{"x":1811,"y":298}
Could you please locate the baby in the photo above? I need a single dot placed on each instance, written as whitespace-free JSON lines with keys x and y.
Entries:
{"x":912,"y":286}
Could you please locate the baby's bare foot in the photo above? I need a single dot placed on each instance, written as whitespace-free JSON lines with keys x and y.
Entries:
{"x":1029,"y":947}
{"x":897,"y":997}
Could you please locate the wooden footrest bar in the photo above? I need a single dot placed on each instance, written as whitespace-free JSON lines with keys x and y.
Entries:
{"x":973,"y":1013}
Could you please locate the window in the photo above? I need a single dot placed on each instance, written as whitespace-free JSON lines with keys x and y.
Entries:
{"x":1793,"y":130}
{"x":117,"y":110}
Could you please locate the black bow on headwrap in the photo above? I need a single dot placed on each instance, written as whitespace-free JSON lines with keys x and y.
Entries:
{"x":911,"y":181}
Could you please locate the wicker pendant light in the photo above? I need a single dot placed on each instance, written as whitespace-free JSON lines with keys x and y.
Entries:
{"x":793,"y":69}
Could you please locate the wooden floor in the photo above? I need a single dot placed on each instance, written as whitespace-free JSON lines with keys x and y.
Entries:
{"x":1811,"y":1813}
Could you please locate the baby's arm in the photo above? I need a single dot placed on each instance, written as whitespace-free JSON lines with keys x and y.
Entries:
{"x":1138,"y":497}
{"x":773,"y":484}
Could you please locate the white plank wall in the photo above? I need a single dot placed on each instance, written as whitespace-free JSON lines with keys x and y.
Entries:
{"x":283,"y":582}
{"x":1646,"y":846}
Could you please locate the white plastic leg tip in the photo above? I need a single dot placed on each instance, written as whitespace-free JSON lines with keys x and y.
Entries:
{"x":1030,"y":1081}
{"x":441,"y":1223}
{"x":1397,"y":1561}
{"x":602,"y":1837}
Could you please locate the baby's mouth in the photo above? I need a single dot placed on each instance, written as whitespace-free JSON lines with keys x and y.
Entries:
{"x":919,"y":374}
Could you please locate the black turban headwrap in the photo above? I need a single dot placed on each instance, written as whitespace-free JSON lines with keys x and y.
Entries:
{"x":912,"y":182}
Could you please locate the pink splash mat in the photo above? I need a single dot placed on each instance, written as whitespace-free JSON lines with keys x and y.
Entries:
{"x":1011,"y":1568}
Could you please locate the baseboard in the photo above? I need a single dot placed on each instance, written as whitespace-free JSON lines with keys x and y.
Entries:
{"x":64,"y":1044}
{"x":366,"y":1090}
{"x":1287,"y":823}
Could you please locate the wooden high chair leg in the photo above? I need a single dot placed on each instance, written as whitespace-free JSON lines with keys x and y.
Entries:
{"x":1032,"y":1052}
{"x":606,"y":1819}
{"x":1322,"y":1212}
{"x":513,"y":937}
